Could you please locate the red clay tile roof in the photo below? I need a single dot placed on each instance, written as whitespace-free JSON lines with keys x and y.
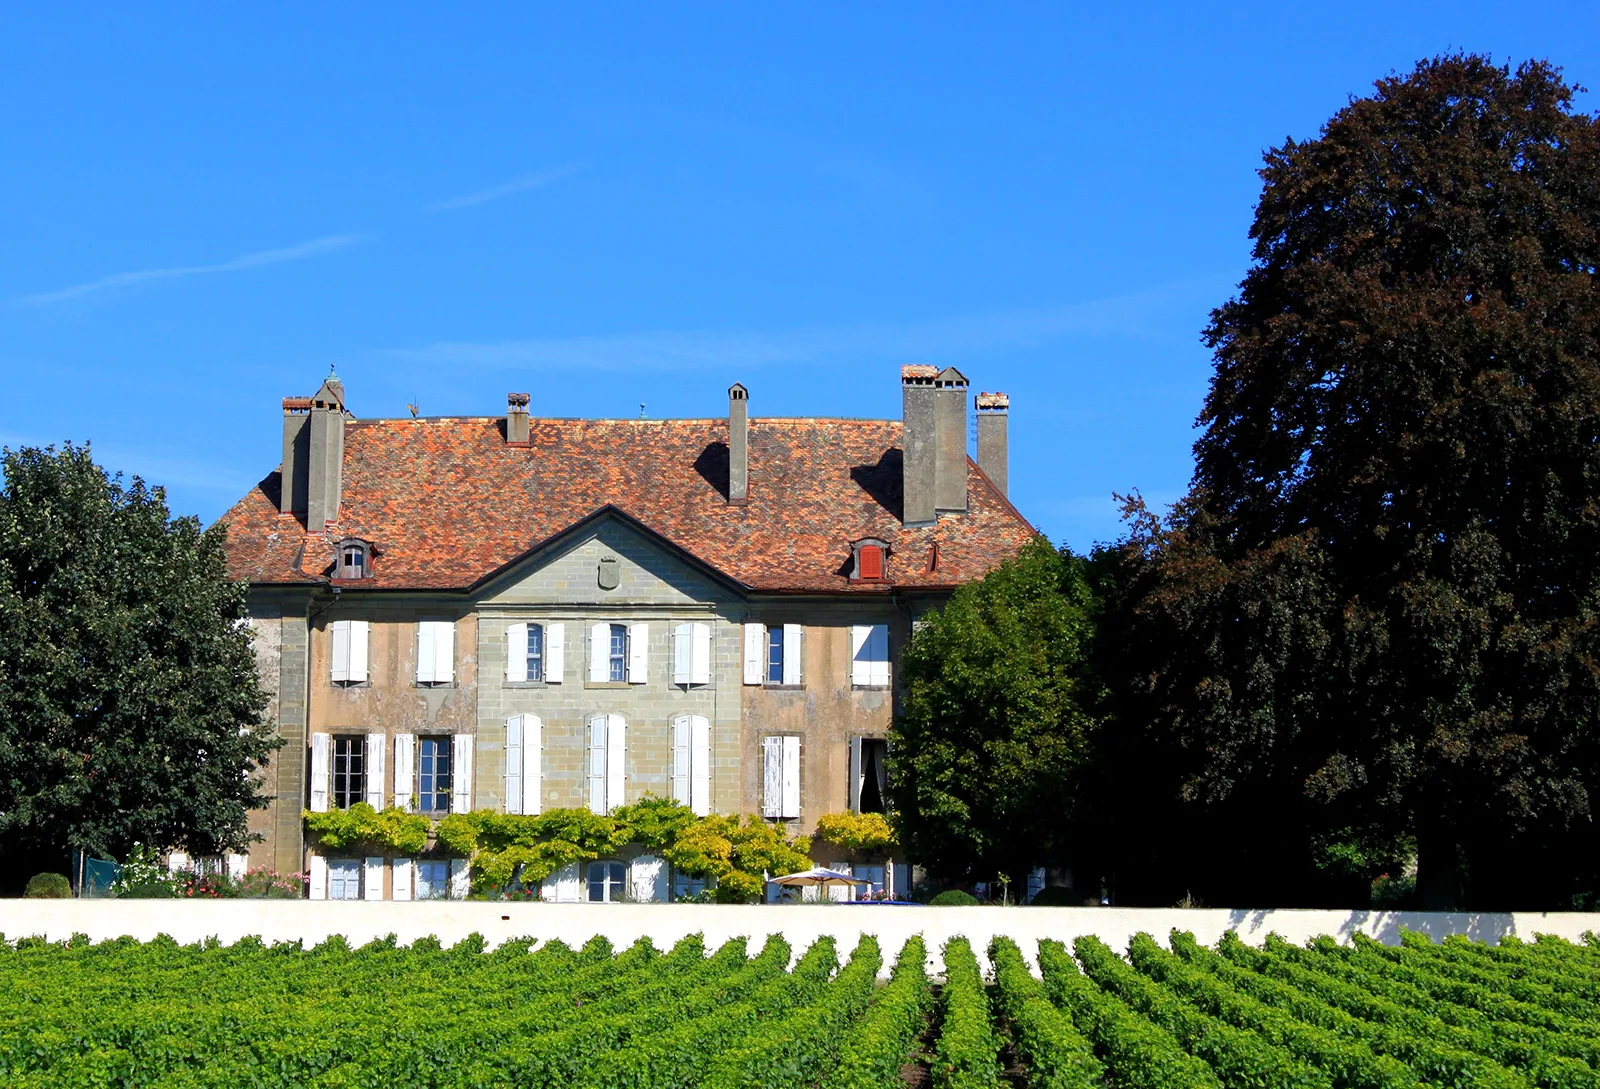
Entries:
{"x":448,"y":503}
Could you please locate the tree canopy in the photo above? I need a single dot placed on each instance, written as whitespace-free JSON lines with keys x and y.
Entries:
{"x":998,"y":715}
{"x":1372,"y":622}
{"x":130,"y":708}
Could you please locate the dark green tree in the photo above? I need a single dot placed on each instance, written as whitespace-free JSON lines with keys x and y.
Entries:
{"x":1374,"y":618}
{"x":130,"y":709}
{"x":997,"y":719}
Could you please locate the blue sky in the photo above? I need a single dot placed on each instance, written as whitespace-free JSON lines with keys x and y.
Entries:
{"x":205,"y":206}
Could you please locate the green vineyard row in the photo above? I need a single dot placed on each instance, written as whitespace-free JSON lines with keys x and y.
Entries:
{"x":1456,"y":1014}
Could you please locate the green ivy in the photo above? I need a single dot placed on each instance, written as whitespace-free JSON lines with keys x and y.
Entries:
{"x":361,"y":825}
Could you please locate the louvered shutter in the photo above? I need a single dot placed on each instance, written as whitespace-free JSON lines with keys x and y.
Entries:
{"x":647,"y":879}
{"x":880,"y":654}
{"x":514,"y":764}
{"x":681,"y":789}
{"x":372,"y":879}
{"x":400,"y":877}
{"x":516,"y":653}
{"x":755,"y":648}
{"x":532,"y":765}
{"x":405,"y":783}
{"x":638,"y":653}
{"x":461,"y":773}
{"x":860,"y":664}
{"x":319,"y":772}
{"x":318,"y":878}
{"x":564,"y":886}
{"x":426,"y":654}
{"x":555,"y":652}
{"x":597,"y":763}
{"x":616,"y":761}
{"x":853,"y":792}
{"x":360,"y":640}
{"x":791,"y":777}
{"x":599,"y":653}
{"x":444,"y":652}
{"x":460,"y":879}
{"x":700,"y":663}
{"x":683,"y":654}
{"x":373,"y":771}
{"x":772,"y":777}
{"x":699,"y":765}
{"x":340,"y":669}
{"x":793,"y":652}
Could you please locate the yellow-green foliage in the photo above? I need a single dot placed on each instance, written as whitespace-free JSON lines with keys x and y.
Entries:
{"x":856,"y":831}
{"x":737,"y":854}
{"x":393,"y":829}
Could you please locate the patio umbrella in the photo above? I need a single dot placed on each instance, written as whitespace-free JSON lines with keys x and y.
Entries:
{"x":818,"y":876}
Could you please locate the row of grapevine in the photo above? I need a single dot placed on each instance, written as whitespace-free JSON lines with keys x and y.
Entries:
{"x":1363,"y":1015}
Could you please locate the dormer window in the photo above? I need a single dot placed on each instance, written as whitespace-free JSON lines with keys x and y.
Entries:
{"x":355,"y":559}
{"x":871,"y":558}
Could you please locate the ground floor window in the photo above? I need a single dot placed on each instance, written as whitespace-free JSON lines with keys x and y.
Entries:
{"x":433,"y":881}
{"x":344,"y":879}
{"x":685,"y":886}
{"x":606,"y":882}
{"x":873,"y":874}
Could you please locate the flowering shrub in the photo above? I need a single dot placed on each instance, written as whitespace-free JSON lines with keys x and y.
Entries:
{"x":856,"y":831}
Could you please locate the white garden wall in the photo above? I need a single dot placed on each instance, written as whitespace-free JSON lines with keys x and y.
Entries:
{"x":449,"y":921}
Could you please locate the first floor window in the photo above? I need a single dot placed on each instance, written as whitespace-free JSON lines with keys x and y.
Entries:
{"x":535,"y":652}
{"x":606,"y":882}
{"x":618,"y":658}
{"x":344,"y":879}
{"x":349,"y":771}
{"x":433,"y":881}
{"x":775,"y":654}
{"x":872,"y":775}
{"x":434,"y":779}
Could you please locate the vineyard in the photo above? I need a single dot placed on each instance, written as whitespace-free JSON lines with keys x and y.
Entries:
{"x":1364,"y":1016}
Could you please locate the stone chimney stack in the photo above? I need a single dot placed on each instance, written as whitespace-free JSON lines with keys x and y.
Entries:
{"x":738,"y":443}
{"x":993,"y":409}
{"x":934,"y":443}
{"x":296,"y":454}
{"x":516,"y":417}
{"x":325,"y":455}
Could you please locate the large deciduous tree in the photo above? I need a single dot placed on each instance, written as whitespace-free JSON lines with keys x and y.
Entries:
{"x":1375,"y":615}
{"x":997,"y":720}
{"x":130,"y":709}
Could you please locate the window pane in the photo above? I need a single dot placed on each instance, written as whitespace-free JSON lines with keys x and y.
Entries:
{"x":619,"y":652}
{"x":433,"y":788}
{"x":349,"y":778}
{"x":774,"y":655}
{"x":535,"y":652}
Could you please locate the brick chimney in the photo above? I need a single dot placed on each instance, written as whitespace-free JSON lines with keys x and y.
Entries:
{"x":313,"y":454}
{"x":516,"y":418}
{"x":993,"y":408}
{"x":934,"y":444}
{"x":738,"y":443}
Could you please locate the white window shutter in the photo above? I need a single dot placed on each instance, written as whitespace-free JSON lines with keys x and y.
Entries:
{"x":320,"y":744}
{"x":791,"y":777}
{"x":444,"y":652}
{"x":860,"y":664}
{"x":460,"y":879}
{"x":616,"y":761}
{"x":647,"y":879}
{"x":700,"y":765}
{"x":426,"y":654}
{"x":597,"y":763}
{"x":772,"y":777}
{"x":360,"y":638}
{"x":880,"y":654}
{"x":793,"y":652}
{"x":516,"y":653}
{"x":683,"y":654}
{"x":318,"y":878}
{"x":376,"y":744}
{"x":532,"y":765}
{"x":400,"y":878}
{"x":853,"y":791}
{"x":555,"y":652}
{"x":372,"y":879}
{"x":755,"y":648}
{"x":340,"y":668}
{"x":700,"y":662}
{"x":405,"y":783}
{"x":638,"y":653}
{"x":681,"y":752}
{"x":238,"y":865}
{"x":514,"y":764}
{"x":564,"y":886}
{"x":461,"y":773}
{"x":599,"y":653}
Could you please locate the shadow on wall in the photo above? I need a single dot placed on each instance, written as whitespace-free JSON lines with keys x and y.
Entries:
{"x":1385,"y":926}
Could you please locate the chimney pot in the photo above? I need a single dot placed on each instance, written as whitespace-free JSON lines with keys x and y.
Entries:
{"x":516,"y":417}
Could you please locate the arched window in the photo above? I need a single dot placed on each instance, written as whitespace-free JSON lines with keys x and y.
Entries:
{"x":355,"y":559}
{"x":871,"y":558}
{"x":607,"y":881}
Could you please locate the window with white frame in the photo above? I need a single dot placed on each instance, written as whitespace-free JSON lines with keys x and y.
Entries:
{"x":349,"y":770}
{"x":607,"y":882}
{"x":869,"y":655}
{"x":691,"y":762}
{"x":617,"y":653}
{"x":608,"y":749}
{"x":436,"y":652}
{"x":344,"y":879}
{"x":534,"y":652}
{"x":691,"y":654}
{"x":772,"y":653}
{"x":433,"y":880}
{"x":434,"y":780}
{"x":348,"y":661}
{"x":780,"y":777}
{"x":685,"y":885}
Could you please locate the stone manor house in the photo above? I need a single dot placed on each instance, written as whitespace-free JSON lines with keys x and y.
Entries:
{"x":520,"y":613}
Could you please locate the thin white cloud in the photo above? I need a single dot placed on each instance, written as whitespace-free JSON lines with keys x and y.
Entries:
{"x":522,"y":184}
{"x":250,"y":260}
{"x":1146,"y":315}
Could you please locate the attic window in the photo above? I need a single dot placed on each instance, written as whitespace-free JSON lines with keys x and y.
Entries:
{"x":870,"y":556}
{"x":355,"y":560}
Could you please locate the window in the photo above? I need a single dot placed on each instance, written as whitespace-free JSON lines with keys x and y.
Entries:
{"x":436,"y":652}
{"x":434,"y":786}
{"x":344,"y":879}
{"x":691,"y":654}
{"x":684,"y":885}
{"x":869,"y":655}
{"x":780,"y":777}
{"x":355,"y":559}
{"x":608,"y":747}
{"x":774,"y":655}
{"x":535,"y":652}
{"x":870,"y":556}
{"x":433,"y":880}
{"x":349,"y":771}
{"x":607,"y":880}
{"x":348,"y":663}
{"x":691,"y":763}
{"x":617,"y":660}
